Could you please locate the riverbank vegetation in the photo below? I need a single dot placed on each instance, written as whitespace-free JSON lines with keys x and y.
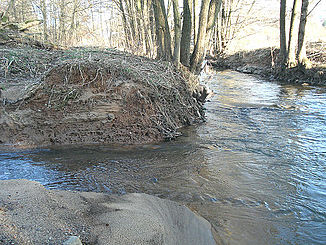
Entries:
{"x":183,"y":32}
{"x":49,"y":65}
{"x":92,"y":96}
{"x":125,"y":72}
{"x":284,"y":42}
{"x":264,"y":62}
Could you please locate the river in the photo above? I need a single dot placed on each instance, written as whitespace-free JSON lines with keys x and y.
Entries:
{"x":256,"y":169}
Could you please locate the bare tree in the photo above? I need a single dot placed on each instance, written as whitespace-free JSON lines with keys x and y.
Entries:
{"x":186,"y":32}
{"x":177,"y":32}
{"x":291,"y":54}
{"x":283,"y":53}
{"x":45,"y":19}
{"x":302,"y":56}
{"x":162,"y":31}
{"x":198,"y":52}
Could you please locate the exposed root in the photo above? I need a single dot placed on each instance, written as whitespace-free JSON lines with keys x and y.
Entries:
{"x":106,"y":96}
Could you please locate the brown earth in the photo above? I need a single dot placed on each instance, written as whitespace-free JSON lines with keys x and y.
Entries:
{"x":264,"y":62}
{"x":91,"y":96}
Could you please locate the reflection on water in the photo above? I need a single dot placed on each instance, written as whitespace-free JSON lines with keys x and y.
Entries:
{"x":255,"y":169}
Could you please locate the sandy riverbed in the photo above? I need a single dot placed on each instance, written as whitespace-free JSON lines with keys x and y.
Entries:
{"x":31,"y":214}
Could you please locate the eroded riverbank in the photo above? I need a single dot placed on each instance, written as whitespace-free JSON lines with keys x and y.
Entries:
{"x":255,"y":169}
{"x":86,"y":96}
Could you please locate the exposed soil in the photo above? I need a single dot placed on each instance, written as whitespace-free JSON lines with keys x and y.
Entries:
{"x":264,"y":62}
{"x":91,"y":96}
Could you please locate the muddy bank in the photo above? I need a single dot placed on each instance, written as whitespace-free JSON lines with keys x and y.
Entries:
{"x":264,"y":63}
{"x":30,"y":214}
{"x":92,"y":96}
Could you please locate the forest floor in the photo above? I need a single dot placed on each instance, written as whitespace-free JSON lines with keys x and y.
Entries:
{"x":263,"y":62}
{"x":89,"y":95}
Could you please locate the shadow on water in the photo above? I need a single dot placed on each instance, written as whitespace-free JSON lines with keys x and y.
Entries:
{"x":255,"y":169}
{"x":101,"y":168}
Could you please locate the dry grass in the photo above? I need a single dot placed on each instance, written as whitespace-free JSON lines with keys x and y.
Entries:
{"x":316,"y":53}
{"x":153,"y":98}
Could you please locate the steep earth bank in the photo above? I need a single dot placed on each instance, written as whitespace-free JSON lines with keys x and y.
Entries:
{"x":91,"y":96}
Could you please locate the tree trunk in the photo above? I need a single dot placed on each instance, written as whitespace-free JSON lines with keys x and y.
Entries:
{"x":55,"y":31}
{"x":282,"y":34}
{"x":73,"y":22}
{"x":159,"y":30}
{"x":62,"y":22}
{"x":186,"y":33}
{"x":141,"y":25}
{"x":195,"y":18}
{"x":177,"y":32}
{"x":302,"y":56}
{"x":146,"y":27}
{"x":128,"y":36}
{"x":197,"y":55}
{"x":150,"y":28}
{"x":22,"y":12}
{"x":162,"y":31}
{"x":44,"y":15}
{"x":214,"y":9}
{"x":131,"y":16}
{"x":11,"y":5}
{"x":291,"y":58}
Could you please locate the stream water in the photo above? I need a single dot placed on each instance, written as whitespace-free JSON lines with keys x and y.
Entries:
{"x":256,"y":169}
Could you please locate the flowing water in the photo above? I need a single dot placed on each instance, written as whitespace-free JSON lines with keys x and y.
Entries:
{"x":256,"y":169}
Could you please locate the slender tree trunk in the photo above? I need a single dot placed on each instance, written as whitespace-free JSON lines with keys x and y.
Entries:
{"x":133,"y":24}
{"x":152,"y":25}
{"x":11,"y":5}
{"x":283,"y":54}
{"x":168,"y":50}
{"x":101,"y":28}
{"x":159,"y":31}
{"x":223,"y":27}
{"x":22,"y":12}
{"x":55,"y":31}
{"x":177,"y":32}
{"x":162,"y":31}
{"x":186,"y":33}
{"x":147,"y":12}
{"x":195,"y":18}
{"x":302,"y":56}
{"x":62,"y":22}
{"x":14,"y":9}
{"x":73,"y":22}
{"x":291,"y":58}
{"x":197,"y":55}
{"x":214,"y":9}
{"x":141,"y":25}
{"x":125,"y":24}
{"x":44,"y":15}
{"x":93,"y":20}
{"x":147,"y":28}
